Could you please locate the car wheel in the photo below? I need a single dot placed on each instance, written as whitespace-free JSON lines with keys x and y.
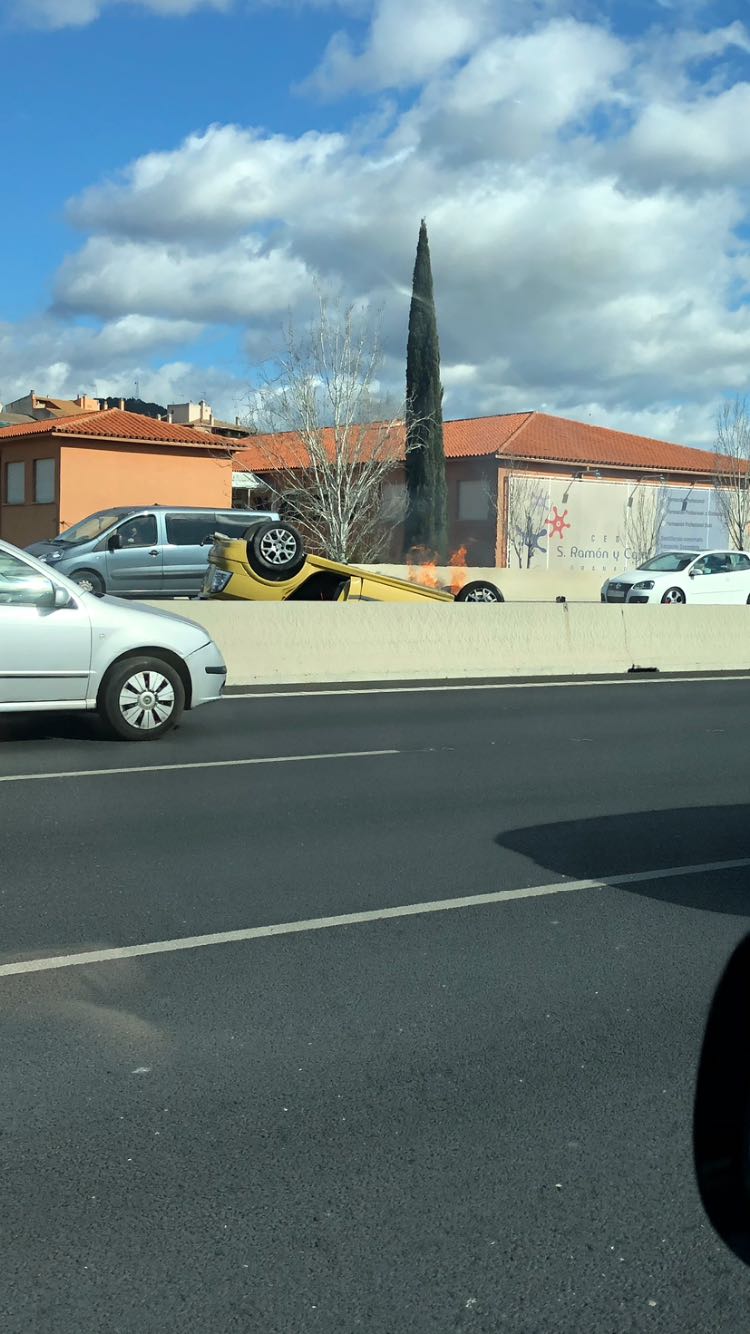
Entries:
{"x":275,"y":551}
{"x":89,"y":582}
{"x":673,"y":597}
{"x":479,"y":590}
{"x":141,"y":698}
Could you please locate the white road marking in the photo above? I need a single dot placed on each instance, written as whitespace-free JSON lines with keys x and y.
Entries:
{"x":294,"y":692}
{"x":52,"y":964}
{"x":196,"y":764}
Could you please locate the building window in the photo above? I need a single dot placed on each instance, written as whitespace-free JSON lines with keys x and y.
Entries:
{"x":15,"y":483}
{"x":44,"y":481}
{"x":474,"y":500}
{"x":393,"y":503}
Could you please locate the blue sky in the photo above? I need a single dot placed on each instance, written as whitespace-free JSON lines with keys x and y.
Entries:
{"x":180,"y":176}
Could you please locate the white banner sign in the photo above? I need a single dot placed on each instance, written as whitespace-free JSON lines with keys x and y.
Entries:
{"x":559,"y":523}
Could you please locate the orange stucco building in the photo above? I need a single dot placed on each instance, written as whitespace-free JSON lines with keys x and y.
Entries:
{"x":53,"y":473}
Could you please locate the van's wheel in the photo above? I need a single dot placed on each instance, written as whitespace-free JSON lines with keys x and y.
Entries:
{"x":141,"y":698}
{"x":674,"y":597}
{"x":89,"y":582}
{"x":479,"y":590}
{"x":275,"y":550}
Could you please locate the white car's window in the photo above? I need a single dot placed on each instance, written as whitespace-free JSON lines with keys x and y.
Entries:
{"x":719,"y":562}
{"x":19,"y":583}
{"x":669,"y":562}
{"x":740,"y":561}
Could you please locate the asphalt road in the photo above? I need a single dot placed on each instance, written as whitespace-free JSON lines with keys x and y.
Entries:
{"x":467,"y":1120}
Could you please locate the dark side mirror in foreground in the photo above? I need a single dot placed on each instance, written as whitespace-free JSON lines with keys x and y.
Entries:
{"x":721,"y":1122}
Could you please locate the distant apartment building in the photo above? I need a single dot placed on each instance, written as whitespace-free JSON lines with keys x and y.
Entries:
{"x":40,"y":407}
{"x":201,"y":417}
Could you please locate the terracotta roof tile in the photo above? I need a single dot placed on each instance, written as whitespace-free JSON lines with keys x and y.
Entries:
{"x":113,"y":424}
{"x":523,"y":435}
{"x":476,"y":437}
{"x":562,"y":441}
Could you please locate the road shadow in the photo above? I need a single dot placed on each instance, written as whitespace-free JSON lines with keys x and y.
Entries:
{"x":45,"y":726}
{"x":614,"y":845}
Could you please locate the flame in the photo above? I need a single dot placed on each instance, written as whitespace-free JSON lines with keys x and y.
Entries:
{"x":460,"y":573}
{"x":422,"y":566}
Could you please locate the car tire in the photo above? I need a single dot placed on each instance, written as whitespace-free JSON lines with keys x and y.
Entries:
{"x":89,"y":582}
{"x":674,"y":597}
{"x":141,"y":698}
{"x":479,"y":590}
{"x":275,"y":550}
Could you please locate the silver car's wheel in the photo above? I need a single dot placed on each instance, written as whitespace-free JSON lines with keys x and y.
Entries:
{"x":147,"y":700}
{"x":673,"y":597}
{"x":142,"y":698}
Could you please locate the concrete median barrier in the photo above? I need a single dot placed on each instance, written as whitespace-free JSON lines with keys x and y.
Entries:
{"x":297,"y":643}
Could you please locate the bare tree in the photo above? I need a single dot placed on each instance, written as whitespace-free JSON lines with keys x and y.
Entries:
{"x":732,"y":470}
{"x":527,"y":509}
{"x":330,"y":442}
{"x":645,"y":512}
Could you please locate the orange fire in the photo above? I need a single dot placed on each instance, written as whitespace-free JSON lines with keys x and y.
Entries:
{"x":422,"y":566}
{"x":457,"y":563}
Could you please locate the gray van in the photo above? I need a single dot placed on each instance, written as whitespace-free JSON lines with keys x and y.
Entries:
{"x":143,"y":551}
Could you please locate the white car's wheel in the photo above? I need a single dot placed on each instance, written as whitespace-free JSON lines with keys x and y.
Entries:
{"x":673,"y":597}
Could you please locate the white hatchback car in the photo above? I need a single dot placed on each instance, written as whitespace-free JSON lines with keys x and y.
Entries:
{"x":684,"y":576}
{"x":61,"y":648}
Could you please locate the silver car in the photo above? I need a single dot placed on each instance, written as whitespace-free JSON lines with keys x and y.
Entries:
{"x":62,"y":648}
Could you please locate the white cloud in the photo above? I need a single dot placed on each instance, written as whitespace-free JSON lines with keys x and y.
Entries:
{"x":703,"y":141}
{"x":220,"y":181}
{"x":239,"y":282}
{"x":586,"y":220}
{"x":406,"y":44}
{"x":63,"y":361}
{"x":78,"y":13}
{"x":55,"y":14}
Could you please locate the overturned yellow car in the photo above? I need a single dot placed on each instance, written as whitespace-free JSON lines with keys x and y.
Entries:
{"x":269,"y":564}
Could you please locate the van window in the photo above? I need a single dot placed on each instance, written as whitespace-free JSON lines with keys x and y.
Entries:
{"x":189,"y":530}
{"x":234,"y":524}
{"x":139,"y":532}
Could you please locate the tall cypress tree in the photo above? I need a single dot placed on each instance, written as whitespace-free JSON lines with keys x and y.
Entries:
{"x":427,"y":492}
